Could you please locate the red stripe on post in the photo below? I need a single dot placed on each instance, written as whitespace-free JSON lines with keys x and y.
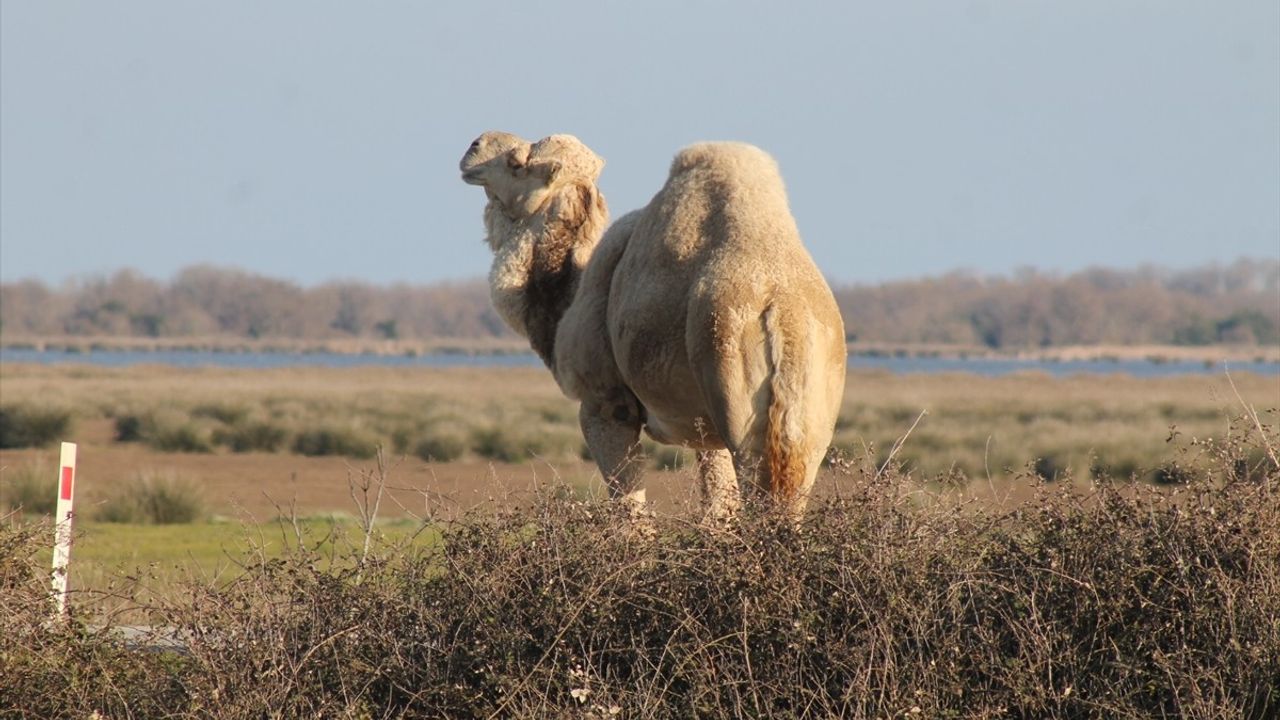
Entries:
{"x":65,"y":490}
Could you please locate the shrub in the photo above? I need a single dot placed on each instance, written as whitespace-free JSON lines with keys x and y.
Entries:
{"x":68,"y":669}
{"x":30,"y":488}
{"x":166,"y":430}
{"x":128,"y":428}
{"x":403,"y":437}
{"x":222,"y":412}
{"x":1172,"y":473}
{"x":184,"y":437}
{"x":512,"y":444}
{"x":348,"y":442}
{"x":1051,"y":466}
{"x":549,"y":610}
{"x":252,"y":436}
{"x":1115,"y":464}
{"x":499,"y":444}
{"x":441,"y":444}
{"x":26,"y":426}
{"x":156,"y":499}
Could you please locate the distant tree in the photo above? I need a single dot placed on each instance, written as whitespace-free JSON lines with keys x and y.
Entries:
{"x":28,"y":307}
{"x":1238,"y":303}
{"x":387,"y":329}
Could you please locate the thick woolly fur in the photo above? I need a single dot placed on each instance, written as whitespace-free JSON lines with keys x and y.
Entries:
{"x":543,"y":219}
{"x":700,"y":318}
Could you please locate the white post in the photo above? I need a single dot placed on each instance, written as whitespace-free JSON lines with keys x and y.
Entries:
{"x":62,"y":525}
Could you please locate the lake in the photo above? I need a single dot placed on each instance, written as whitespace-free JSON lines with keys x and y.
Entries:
{"x":901,"y":365}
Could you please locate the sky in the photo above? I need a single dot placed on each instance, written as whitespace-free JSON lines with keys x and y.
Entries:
{"x":318,"y":141}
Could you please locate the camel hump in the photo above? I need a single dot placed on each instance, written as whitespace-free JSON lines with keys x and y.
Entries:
{"x":743,"y":160}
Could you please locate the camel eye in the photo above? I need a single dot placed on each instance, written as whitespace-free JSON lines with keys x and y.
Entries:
{"x":475,"y":144}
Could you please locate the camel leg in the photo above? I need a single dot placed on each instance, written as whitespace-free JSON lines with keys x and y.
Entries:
{"x":720,"y":495}
{"x":612,"y":431}
{"x":753,"y":476}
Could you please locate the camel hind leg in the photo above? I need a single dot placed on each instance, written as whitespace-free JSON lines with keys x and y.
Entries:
{"x":739,"y":416}
{"x":773,"y":399}
{"x":718,"y":480}
{"x":734,"y":389}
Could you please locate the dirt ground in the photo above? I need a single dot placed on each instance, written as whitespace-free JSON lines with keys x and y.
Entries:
{"x":262,"y":486}
{"x":259,"y":487}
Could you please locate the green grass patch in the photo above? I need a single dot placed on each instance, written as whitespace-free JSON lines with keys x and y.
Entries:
{"x":172,"y":553}
{"x":103,"y":544}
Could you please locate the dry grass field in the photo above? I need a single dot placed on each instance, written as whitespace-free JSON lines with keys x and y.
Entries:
{"x":253,"y":441}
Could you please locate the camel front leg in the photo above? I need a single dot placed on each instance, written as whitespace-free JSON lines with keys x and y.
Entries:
{"x":612,"y":430}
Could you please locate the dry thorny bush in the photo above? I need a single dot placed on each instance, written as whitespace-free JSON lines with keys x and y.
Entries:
{"x":1121,"y":601}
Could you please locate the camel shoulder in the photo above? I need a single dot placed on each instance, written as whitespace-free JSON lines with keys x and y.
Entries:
{"x":584,"y":354}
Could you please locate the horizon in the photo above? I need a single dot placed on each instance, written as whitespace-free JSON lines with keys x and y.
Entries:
{"x":320,"y":144}
{"x":1161,"y":271}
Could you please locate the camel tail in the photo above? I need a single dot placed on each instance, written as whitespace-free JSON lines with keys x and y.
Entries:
{"x":784,"y":445}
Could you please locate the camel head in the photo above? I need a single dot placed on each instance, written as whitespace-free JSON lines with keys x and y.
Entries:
{"x":523,"y":178}
{"x":548,"y":168}
{"x":564,"y":158}
{"x":486,"y":162}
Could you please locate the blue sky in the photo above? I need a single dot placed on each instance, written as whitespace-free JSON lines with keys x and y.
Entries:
{"x":320,"y":140}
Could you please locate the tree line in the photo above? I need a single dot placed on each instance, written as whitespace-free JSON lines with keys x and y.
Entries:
{"x":1236,"y":304}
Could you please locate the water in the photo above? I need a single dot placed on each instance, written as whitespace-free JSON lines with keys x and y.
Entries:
{"x":990,"y":367}
{"x":260,"y":360}
{"x":993,"y":367}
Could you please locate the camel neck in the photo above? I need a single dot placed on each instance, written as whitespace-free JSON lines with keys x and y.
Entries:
{"x":553,"y":281}
{"x":539,"y":261}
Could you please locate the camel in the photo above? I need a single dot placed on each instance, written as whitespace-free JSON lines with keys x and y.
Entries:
{"x":699,"y":319}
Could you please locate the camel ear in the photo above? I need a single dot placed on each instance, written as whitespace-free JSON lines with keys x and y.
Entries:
{"x":547,"y":169}
{"x":517,"y":157}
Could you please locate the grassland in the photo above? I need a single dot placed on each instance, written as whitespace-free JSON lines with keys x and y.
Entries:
{"x":241,"y":432}
{"x":458,"y":438}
